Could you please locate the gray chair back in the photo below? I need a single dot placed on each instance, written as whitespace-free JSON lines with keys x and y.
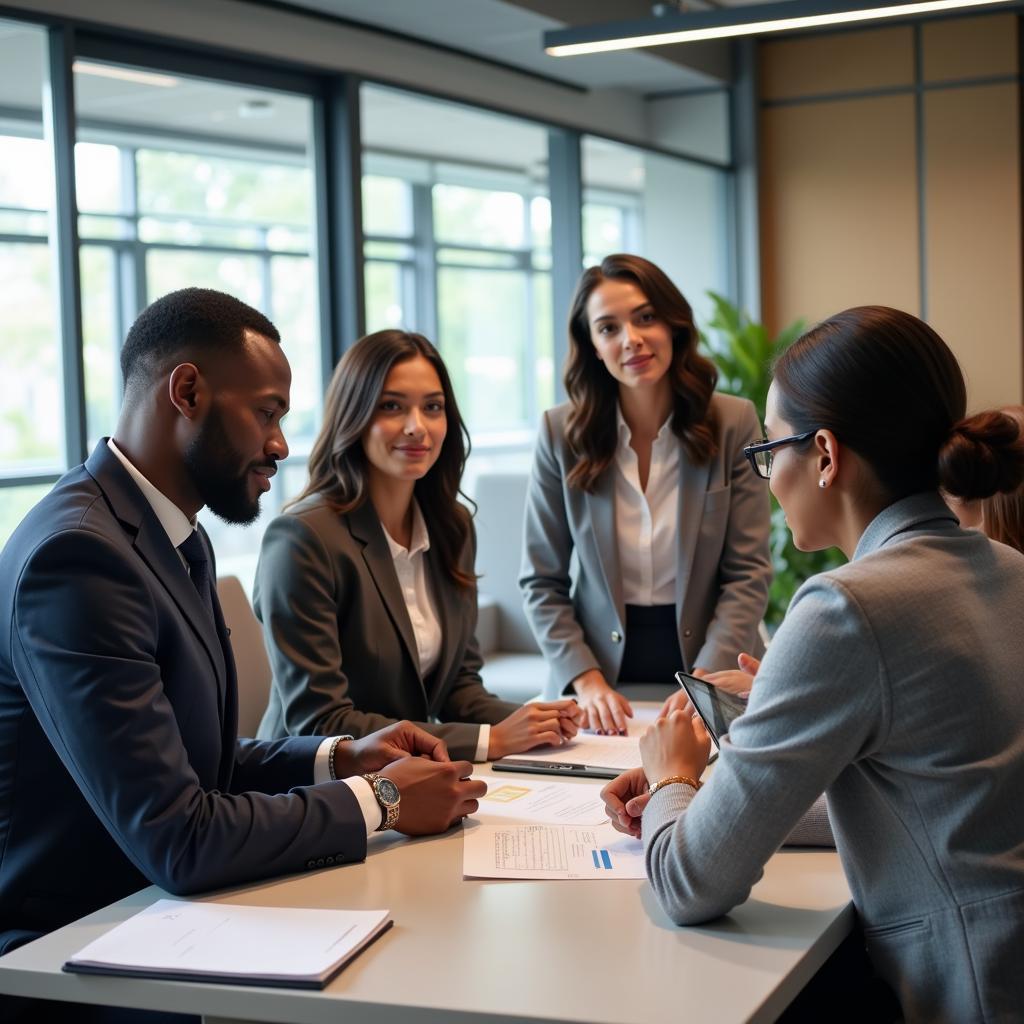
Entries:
{"x":501,"y":505}
{"x":251,"y":661}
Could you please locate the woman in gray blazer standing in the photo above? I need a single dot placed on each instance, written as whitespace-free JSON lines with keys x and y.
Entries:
{"x":641,"y":474}
{"x":366,"y":588}
{"x":893,"y":685}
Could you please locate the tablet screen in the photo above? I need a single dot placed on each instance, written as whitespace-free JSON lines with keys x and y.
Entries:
{"x":717,"y":709}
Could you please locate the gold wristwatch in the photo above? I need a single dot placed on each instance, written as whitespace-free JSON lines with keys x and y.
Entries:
{"x":388,"y":797}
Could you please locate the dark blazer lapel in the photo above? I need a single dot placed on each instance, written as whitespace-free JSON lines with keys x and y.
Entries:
{"x":154,"y":547}
{"x":693,"y":485}
{"x":449,"y":603}
{"x":365,"y":527}
{"x":601,"y":506}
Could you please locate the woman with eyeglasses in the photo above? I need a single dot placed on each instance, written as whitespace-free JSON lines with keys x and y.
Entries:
{"x":893,"y":684}
{"x":366,"y":587}
{"x":641,"y":475}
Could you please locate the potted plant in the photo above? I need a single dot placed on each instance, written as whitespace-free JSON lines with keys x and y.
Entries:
{"x":744,"y":352}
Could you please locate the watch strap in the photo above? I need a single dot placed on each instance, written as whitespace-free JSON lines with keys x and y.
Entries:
{"x":389,"y":812}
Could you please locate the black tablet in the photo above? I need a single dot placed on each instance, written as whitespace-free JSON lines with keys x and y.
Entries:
{"x":717,"y":709}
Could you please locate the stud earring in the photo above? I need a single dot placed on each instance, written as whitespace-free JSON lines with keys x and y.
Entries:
{"x":823,"y":483}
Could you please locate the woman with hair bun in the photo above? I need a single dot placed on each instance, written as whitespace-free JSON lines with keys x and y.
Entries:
{"x":1000,"y":517}
{"x":641,"y":475}
{"x":893,"y":685}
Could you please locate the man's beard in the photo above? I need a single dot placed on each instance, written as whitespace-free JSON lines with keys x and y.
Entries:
{"x":222,"y":483}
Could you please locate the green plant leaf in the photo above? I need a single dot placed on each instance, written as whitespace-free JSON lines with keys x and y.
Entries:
{"x":744,"y":352}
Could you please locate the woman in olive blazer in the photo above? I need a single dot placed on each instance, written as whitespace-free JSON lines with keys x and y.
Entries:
{"x":366,"y":588}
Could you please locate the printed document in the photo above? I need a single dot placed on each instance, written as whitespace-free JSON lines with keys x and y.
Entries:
{"x":620,"y":752}
{"x":514,"y":850}
{"x":542,"y":803}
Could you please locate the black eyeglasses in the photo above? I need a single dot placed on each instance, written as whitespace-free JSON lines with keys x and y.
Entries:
{"x":759,"y":453}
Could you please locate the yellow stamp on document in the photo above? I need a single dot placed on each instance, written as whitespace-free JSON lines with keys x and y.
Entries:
{"x":506,"y":794}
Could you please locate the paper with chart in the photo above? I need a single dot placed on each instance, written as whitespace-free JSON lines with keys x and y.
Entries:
{"x":542,"y":803}
{"x":516,"y":850}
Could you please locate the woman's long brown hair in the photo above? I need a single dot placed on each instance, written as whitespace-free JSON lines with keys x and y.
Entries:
{"x":593,"y":391}
{"x":337,"y":464}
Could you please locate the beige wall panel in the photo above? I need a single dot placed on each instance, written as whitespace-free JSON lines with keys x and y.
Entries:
{"x":846,"y":61}
{"x":969,"y":48}
{"x":838,"y":208}
{"x":973,"y":240}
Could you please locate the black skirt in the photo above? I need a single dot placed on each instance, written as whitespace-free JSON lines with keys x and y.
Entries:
{"x":652,"y":652}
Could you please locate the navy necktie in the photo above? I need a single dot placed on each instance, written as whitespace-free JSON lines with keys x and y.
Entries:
{"x":199,"y":569}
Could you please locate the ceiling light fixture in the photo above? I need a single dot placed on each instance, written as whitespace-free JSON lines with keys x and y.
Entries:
{"x":725,"y":22}
{"x":81,"y":67}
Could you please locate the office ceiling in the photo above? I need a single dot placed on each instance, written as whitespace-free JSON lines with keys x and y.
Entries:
{"x":510,"y":31}
{"x":155,"y":111}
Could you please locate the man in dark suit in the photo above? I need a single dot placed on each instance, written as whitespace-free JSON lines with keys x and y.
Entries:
{"x":120,"y":763}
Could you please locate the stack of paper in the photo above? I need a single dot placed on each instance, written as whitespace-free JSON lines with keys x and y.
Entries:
{"x":296,"y":948}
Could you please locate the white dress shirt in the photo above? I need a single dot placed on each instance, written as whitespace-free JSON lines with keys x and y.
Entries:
{"x":647,"y":521}
{"x":411,"y":570}
{"x":178,"y":526}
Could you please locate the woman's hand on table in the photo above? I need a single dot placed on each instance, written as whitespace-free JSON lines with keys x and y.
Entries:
{"x":535,"y":725}
{"x":605,"y":710}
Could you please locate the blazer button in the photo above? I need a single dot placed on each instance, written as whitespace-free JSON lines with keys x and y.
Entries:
{"x":616,"y":637}
{"x":310,"y":864}
{"x":319,"y":862}
{"x":328,"y":860}
{"x":687,"y":632}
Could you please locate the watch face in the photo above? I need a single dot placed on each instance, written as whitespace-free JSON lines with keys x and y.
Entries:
{"x":387,"y":791}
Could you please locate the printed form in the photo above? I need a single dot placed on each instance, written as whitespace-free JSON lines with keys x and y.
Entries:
{"x":511,"y":850}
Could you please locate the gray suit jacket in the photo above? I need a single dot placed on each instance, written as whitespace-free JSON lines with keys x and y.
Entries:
{"x":340,"y":641}
{"x":723,"y":566}
{"x":894,"y":685}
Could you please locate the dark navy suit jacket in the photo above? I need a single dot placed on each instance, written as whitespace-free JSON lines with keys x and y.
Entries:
{"x":119,"y":758}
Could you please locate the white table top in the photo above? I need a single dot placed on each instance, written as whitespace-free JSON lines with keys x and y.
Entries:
{"x":498,"y":951}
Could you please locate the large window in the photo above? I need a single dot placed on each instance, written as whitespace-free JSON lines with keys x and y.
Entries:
{"x":457,"y":223}
{"x":184,"y":180}
{"x":179,"y":186}
{"x":32,"y":417}
{"x":673,"y":211}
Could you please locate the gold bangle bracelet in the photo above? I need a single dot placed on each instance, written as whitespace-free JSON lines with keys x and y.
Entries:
{"x":669,"y":780}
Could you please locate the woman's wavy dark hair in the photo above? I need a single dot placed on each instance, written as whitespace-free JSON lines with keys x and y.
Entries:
{"x":891,"y":389}
{"x":593,"y":391}
{"x":338,"y":466}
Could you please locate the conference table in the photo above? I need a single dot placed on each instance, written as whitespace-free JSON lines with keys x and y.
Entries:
{"x":496,"y":951}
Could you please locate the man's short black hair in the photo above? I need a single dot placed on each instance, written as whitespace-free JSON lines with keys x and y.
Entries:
{"x":190,"y":319}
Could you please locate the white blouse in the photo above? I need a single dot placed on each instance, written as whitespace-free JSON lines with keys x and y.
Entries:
{"x":646,"y":522}
{"x":412,"y":578}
